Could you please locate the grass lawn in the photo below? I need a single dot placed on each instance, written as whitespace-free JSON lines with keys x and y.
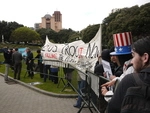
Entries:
{"x":48,"y":85}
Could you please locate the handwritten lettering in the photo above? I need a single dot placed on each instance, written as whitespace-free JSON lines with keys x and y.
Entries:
{"x":71,"y":50}
{"x":80,"y":50}
{"x":92,"y":52}
{"x":51,"y":55}
{"x":52,"y":48}
{"x":70,"y":59}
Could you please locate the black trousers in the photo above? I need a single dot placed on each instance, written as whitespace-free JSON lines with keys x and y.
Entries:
{"x":30,"y":70}
{"x":17,"y":70}
{"x":55,"y":77}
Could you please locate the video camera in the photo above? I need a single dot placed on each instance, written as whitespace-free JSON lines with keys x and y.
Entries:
{"x":2,"y":50}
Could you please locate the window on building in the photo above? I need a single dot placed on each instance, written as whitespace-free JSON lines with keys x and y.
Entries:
{"x":47,"y":25}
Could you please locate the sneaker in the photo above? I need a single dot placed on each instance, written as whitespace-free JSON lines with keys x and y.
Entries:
{"x":76,"y":106}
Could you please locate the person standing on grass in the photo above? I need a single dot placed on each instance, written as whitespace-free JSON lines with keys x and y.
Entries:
{"x":81,"y":85}
{"x":7,"y":56}
{"x":68,"y":74}
{"x":17,"y":63}
{"x":54,"y":73}
{"x":29,"y":63}
{"x":40,"y":65}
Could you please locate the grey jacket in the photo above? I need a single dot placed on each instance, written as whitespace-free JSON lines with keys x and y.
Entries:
{"x":16,"y":57}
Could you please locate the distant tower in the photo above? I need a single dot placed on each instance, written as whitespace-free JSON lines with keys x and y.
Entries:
{"x":51,"y":22}
{"x":58,"y":20}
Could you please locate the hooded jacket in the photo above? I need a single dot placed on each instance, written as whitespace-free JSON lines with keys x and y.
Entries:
{"x":114,"y":105}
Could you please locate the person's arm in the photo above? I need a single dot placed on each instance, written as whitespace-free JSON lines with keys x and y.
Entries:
{"x":97,"y":62}
{"x":128,"y":71}
{"x":114,"y":106}
{"x":37,"y":56}
{"x":30,"y":57}
{"x":108,"y":84}
{"x":21,"y":57}
{"x":13,"y":59}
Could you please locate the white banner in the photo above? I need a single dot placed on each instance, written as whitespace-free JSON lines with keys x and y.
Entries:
{"x":78,"y":54}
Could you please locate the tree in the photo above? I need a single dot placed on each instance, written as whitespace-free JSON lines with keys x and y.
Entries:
{"x":6,"y":28}
{"x":134,"y":19}
{"x":75,"y":36}
{"x":24,"y":34}
{"x":89,"y":32}
{"x":64,"y":35}
{"x":52,"y":35}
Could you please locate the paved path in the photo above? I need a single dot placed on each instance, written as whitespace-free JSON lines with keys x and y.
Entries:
{"x":16,"y":98}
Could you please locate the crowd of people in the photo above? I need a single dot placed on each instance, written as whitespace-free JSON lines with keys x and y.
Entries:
{"x":124,"y":60}
{"x":13,"y":59}
{"x":123,"y":64}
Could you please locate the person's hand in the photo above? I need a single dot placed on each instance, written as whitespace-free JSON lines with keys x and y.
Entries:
{"x":112,"y":77}
{"x":99,"y":57}
{"x":104,"y":74}
{"x":108,"y":84}
{"x":104,"y":90}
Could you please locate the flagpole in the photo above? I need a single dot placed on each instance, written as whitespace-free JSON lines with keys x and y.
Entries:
{"x":2,"y":38}
{"x":100,"y":38}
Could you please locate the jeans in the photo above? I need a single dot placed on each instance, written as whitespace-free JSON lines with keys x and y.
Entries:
{"x":81,"y":85}
{"x":46,"y":72}
{"x":7,"y":66}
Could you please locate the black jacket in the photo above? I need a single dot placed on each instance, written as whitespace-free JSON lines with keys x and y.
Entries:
{"x":114,"y":105}
{"x":29,"y":59}
{"x":8,"y":57}
{"x":39,"y":57}
{"x":98,"y":69}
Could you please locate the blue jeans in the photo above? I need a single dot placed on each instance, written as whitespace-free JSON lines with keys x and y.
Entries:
{"x":46,"y":72}
{"x":81,"y":85}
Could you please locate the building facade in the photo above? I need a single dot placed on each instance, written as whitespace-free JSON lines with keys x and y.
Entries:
{"x":51,"y":22}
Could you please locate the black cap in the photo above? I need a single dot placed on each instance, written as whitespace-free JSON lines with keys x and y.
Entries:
{"x":106,"y":55}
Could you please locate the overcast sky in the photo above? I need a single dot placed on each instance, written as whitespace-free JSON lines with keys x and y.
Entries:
{"x":76,"y":14}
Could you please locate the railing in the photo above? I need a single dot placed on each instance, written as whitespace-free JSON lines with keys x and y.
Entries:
{"x":92,"y":87}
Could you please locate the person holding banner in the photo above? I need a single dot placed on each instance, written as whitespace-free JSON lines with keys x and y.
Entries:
{"x":46,"y":71}
{"x":54,"y":72}
{"x":128,"y":68}
{"x":105,"y":55}
{"x":115,"y":67}
{"x":99,"y":70}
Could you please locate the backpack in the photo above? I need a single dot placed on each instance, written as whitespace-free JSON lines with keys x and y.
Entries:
{"x":137,"y":99}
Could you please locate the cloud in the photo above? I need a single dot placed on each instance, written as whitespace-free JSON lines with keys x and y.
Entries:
{"x":76,"y":14}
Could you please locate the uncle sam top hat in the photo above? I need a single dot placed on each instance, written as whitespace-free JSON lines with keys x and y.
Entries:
{"x":122,"y":43}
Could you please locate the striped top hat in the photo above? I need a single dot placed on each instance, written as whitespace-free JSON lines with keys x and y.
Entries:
{"x":122,"y":43}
